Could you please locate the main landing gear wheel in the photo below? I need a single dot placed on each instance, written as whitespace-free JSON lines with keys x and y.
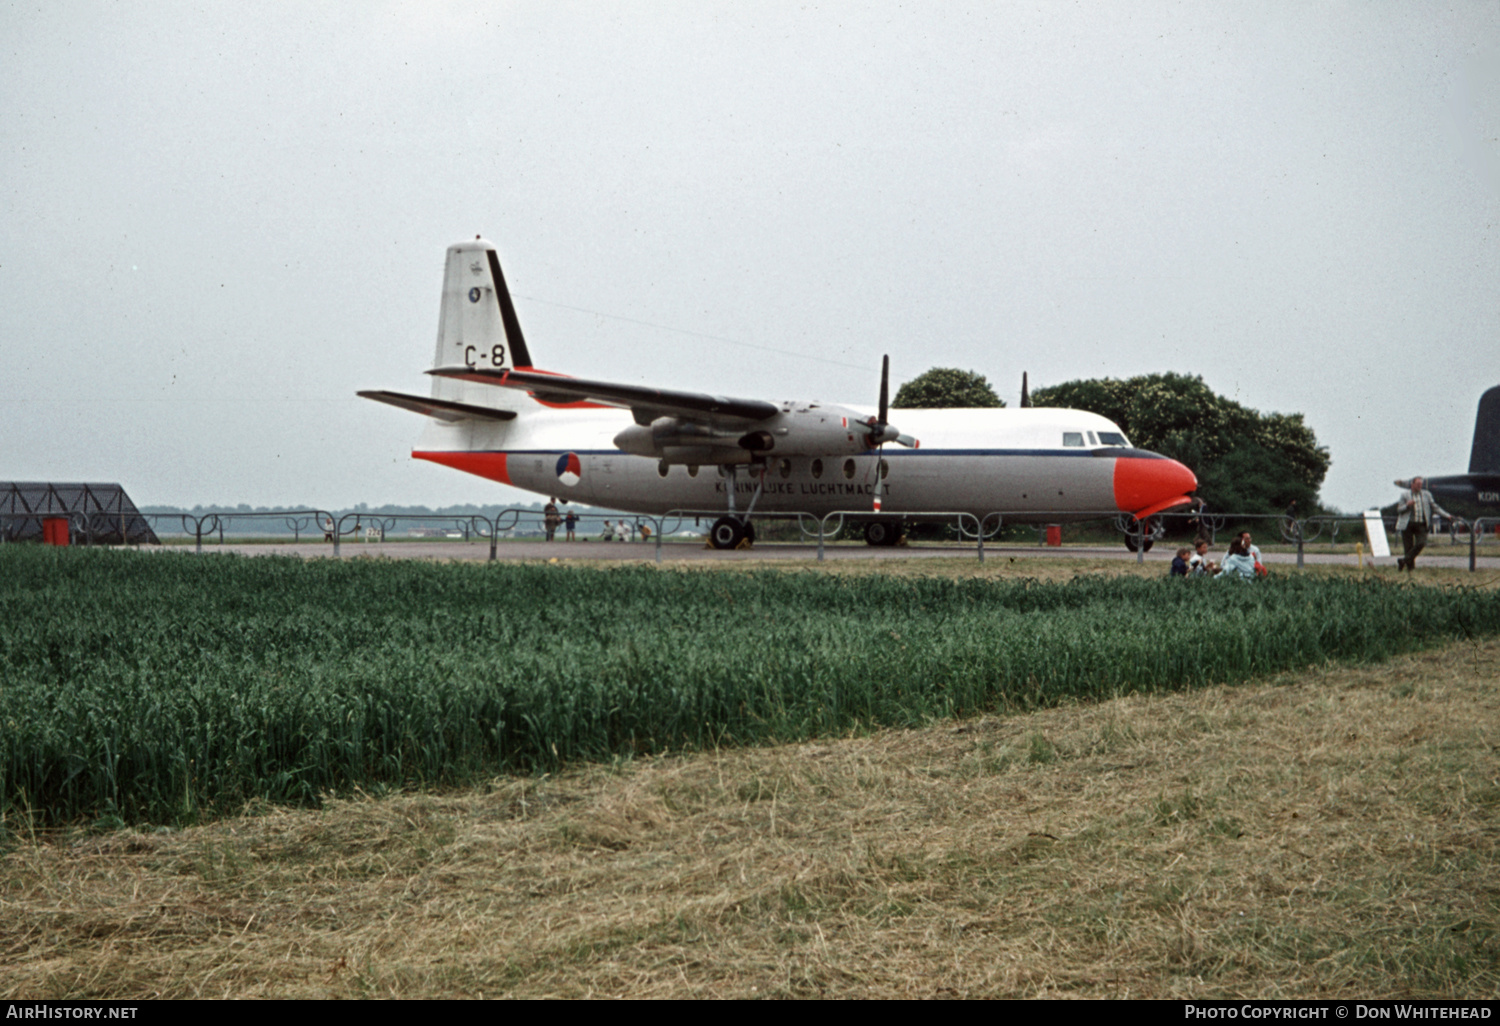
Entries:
{"x":729,"y":533}
{"x":882,"y":533}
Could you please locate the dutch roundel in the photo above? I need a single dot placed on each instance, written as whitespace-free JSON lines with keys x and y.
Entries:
{"x":569,"y":469}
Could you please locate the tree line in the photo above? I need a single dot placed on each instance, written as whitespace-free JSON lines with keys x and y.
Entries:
{"x":1246,"y":461}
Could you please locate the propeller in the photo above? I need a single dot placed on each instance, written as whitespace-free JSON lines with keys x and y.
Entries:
{"x":880,"y":427}
{"x":881,"y":430}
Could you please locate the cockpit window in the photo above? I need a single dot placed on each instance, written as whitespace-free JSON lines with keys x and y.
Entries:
{"x":1112,"y":438}
{"x":1073,"y":438}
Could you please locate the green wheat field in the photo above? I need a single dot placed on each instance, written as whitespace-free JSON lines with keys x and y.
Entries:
{"x":151,"y":687}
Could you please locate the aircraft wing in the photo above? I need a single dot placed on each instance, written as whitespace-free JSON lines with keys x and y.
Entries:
{"x":442,"y":409}
{"x":645,"y":403}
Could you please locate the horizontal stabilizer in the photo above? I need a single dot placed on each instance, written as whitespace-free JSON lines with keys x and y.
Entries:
{"x":659,"y":401}
{"x":442,"y":409}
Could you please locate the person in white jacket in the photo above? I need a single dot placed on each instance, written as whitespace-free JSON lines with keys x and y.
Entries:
{"x":1239,"y":562}
{"x":1415,"y":516}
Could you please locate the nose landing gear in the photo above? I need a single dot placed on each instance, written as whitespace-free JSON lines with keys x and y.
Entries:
{"x":1133,"y":532}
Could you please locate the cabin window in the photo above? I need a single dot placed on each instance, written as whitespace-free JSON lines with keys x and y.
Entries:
{"x":661,"y":468}
{"x":817,"y":468}
{"x":1112,"y":438}
{"x":692,"y":470}
{"x":849,"y":469}
{"x":885,"y":470}
{"x":786,"y":468}
{"x":1073,"y":439}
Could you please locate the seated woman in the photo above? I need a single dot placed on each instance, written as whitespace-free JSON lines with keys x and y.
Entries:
{"x":1239,"y":562}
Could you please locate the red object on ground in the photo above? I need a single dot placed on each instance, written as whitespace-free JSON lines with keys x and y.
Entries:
{"x":1054,"y":534}
{"x":54,"y":530}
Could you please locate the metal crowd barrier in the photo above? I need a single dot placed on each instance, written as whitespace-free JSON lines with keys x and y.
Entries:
{"x":811,"y":526}
{"x":298,"y":520}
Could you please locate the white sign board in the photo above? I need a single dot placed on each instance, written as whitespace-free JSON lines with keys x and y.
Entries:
{"x":1375,"y":530}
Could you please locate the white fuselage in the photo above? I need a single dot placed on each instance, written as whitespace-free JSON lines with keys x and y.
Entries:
{"x":1029,"y":464}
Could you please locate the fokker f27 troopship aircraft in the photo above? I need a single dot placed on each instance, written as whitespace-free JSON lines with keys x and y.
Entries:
{"x":647,"y":450}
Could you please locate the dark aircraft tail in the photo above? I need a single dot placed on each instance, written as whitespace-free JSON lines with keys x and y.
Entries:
{"x":1484,"y":458}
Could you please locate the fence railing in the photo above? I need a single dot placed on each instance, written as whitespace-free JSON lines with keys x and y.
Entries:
{"x":89,"y":528}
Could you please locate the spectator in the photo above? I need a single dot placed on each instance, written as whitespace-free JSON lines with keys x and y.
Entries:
{"x":1254,"y":552}
{"x":1197,"y":521}
{"x":1180,"y":562}
{"x":551,"y":518}
{"x":1414,"y":518}
{"x":1200,"y":564}
{"x":1239,"y":562}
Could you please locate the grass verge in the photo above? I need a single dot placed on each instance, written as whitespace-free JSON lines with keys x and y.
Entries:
{"x":1324,"y":834}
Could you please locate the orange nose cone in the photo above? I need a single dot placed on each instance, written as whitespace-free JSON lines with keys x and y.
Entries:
{"x":1146,"y":486}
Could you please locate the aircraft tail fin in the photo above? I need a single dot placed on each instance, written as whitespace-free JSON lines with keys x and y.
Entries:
{"x":1484,"y":458}
{"x":477,"y":325}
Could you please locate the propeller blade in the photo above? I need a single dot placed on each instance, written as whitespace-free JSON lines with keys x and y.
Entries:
{"x":880,"y":430}
{"x":885,"y":382}
{"x":883,"y":430}
{"x":907,"y":440}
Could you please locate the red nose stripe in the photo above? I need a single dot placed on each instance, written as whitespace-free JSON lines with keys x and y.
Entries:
{"x":1144,"y":487}
{"x":492,"y":464}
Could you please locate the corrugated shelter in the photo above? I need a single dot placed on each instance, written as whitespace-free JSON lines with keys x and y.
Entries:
{"x":98,"y":514}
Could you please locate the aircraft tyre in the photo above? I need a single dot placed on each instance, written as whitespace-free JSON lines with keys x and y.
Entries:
{"x":882,"y":533}
{"x":727,"y":533}
{"x":1132,"y":544}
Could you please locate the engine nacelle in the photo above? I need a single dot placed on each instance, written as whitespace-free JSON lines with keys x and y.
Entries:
{"x":810,"y":429}
{"x":671,"y":437}
{"x":813,"y":429}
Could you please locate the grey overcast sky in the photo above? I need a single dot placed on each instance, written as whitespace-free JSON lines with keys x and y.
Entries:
{"x":217,"y":222}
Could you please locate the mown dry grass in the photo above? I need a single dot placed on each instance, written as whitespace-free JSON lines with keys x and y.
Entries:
{"x":1327,"y":834}
{"x":1000,"y":565}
